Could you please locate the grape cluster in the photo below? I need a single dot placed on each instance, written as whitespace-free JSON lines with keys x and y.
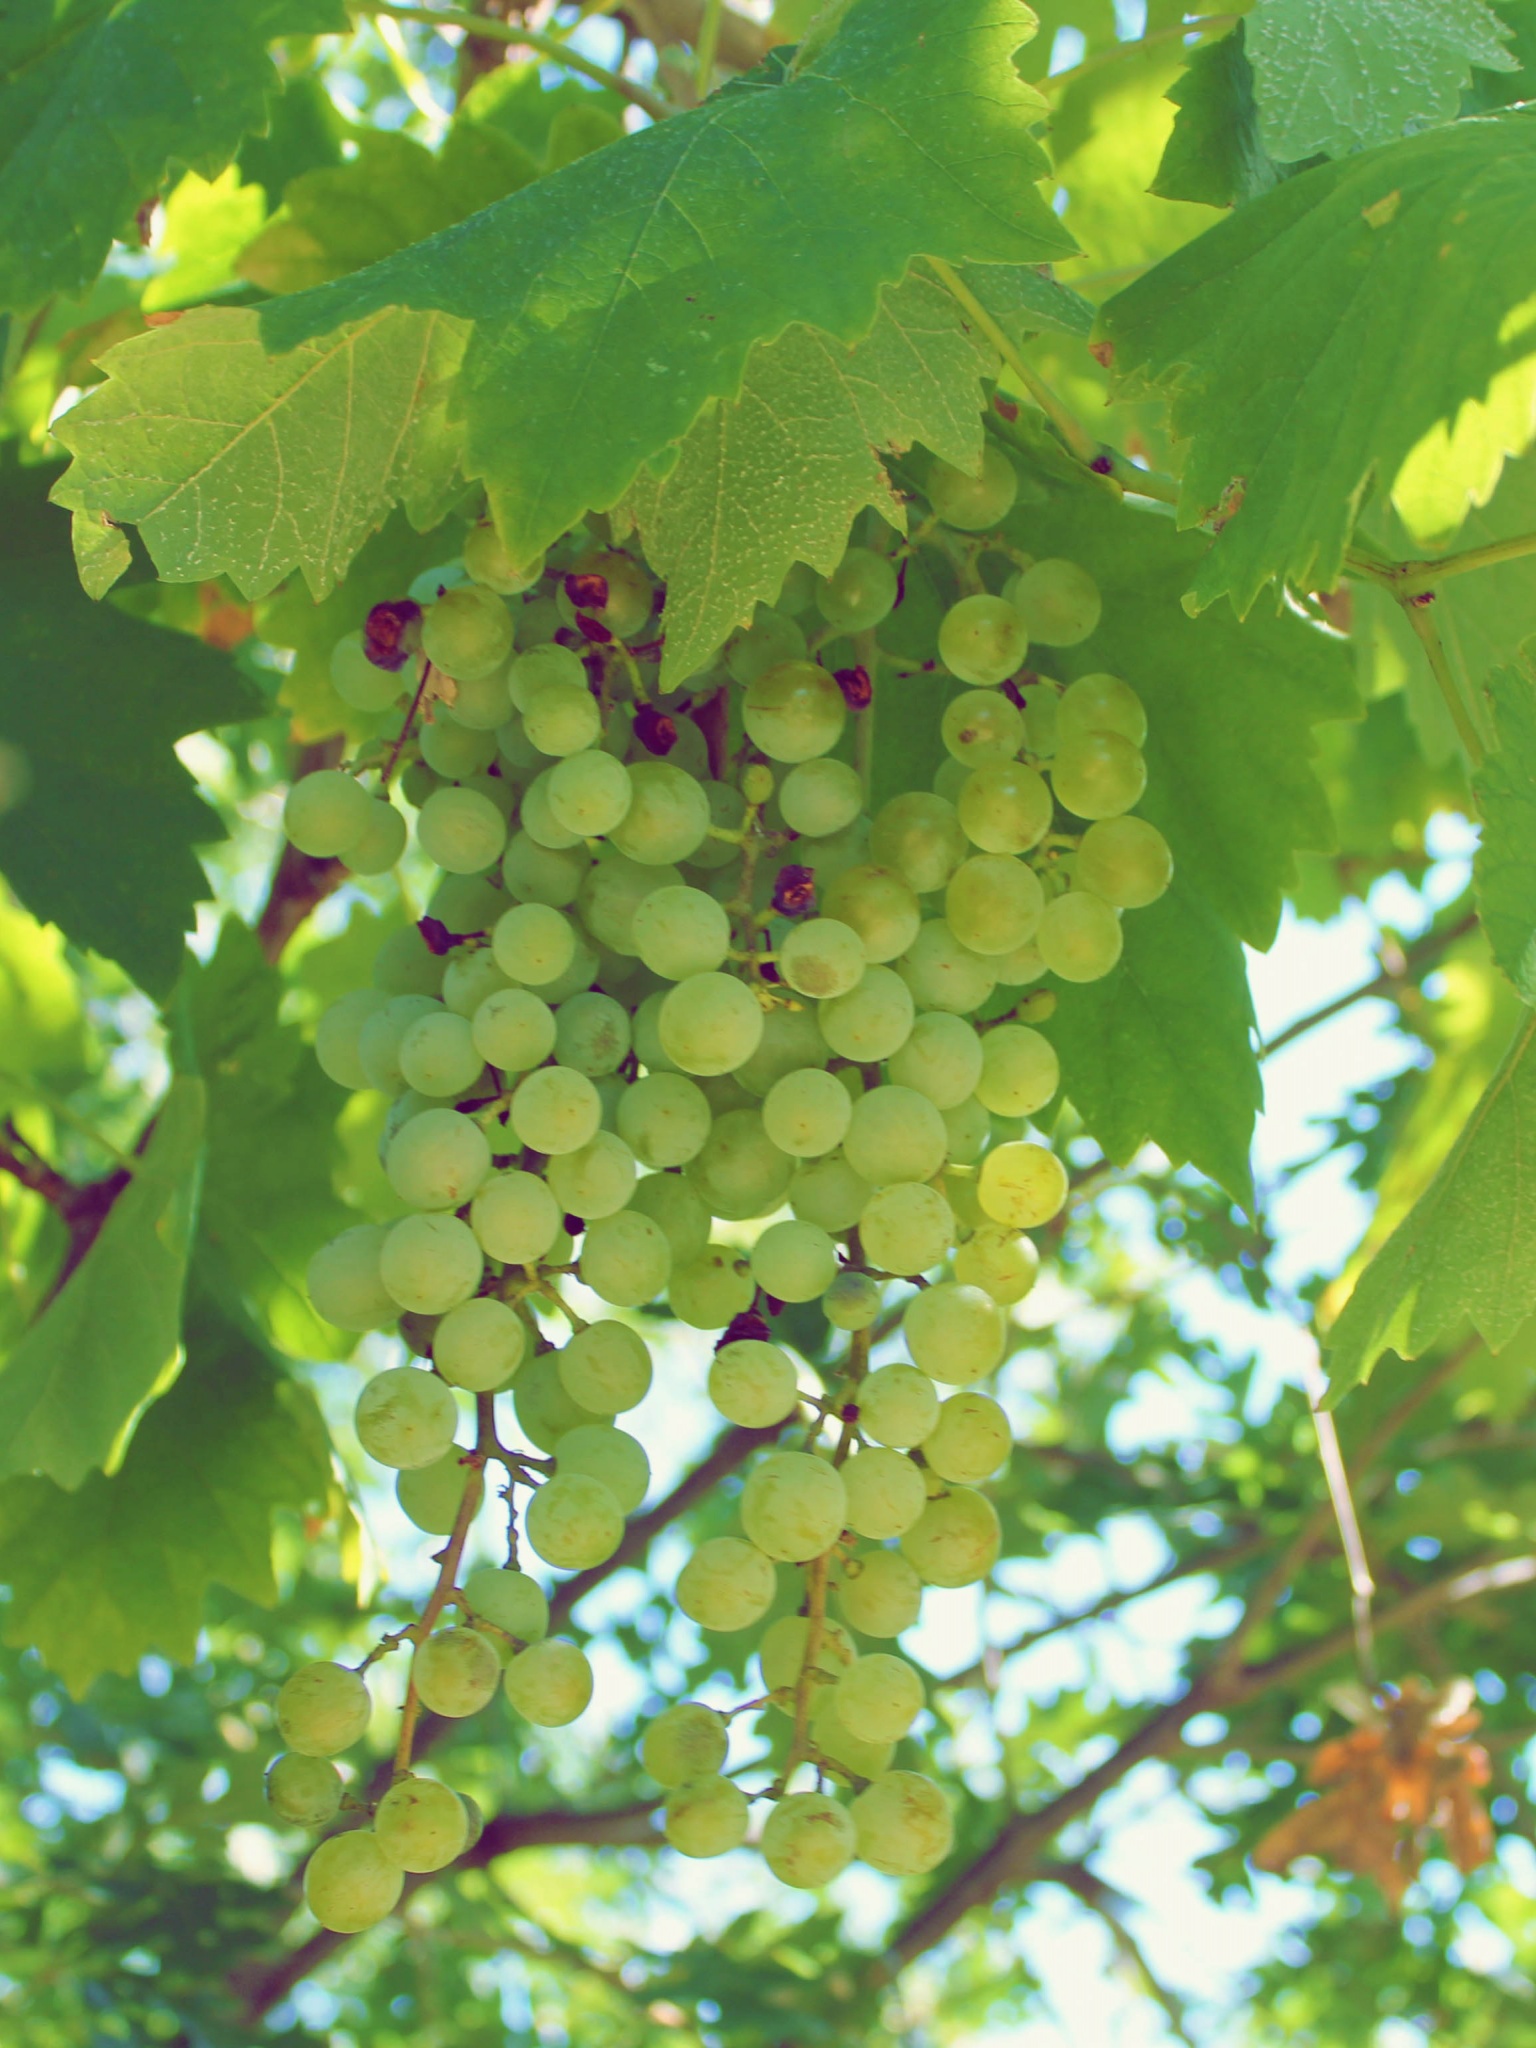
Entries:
{"x":684,"y":1022}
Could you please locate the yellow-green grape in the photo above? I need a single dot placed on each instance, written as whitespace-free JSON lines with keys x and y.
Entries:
{"x":461,"y":830}
{"x":664,"y":1119}
{"x":907,"y":1229}
{"x":885,"y":1493}
{"x":564,"y":720}
{"x":430,"y":1264}
{"x":1101,"y":703}
{"x":822,"y":958}
{"x":897,"y":1405}
{"x":956,"y":1540}
{"x":533,"y":943}
{"x":806,"y":1113}
{"x":1019,"y":1071}
{"x":421,"y":1824}
{"x":594,"y":1181}
{"x":338,"y":1035}
{"x":508,"y":1600}
{"x":322,"y":1709}
{"x":1098,"y":774}
{"x":453,"y":750}
{"x":880,"y":1696}
{"x":1022,"y":1185}
{"x":1004,"y":807}
{"x":837,"y":1744}
{"x":607,"y":1368}
{"x":708,"y":1291}
{"x":772,"y":637}
{"x":343,"y":1280}
{"x":881,"y":906}
{"x":944,"y":973}
{"x":574,"y":1522}
{"x":438,"y":1159}
{"x":432,"y":1495}
{"x":794,"y":1261}
{"x":706,"y":1818}
{"x":626,"y":1259}
{"x":726,"y":1585}
{"x":954,"y":1332}
{"x":969,"y":1129}
{"x":479,"y":1345}
{"x":589,"y":792}
{"x":791,"y":1039}
{"x":549,"y":1683}
{"x":405,"y":1417}
{"x":1079,"y":936}
{"x":879,"y":1592}
{"x":350,"y":1884}
{"x":469,"y":977}
{"x":993,"y":903}
{"x":1000,"y":1261}
{"x":545,"y":1411}
{"x":853,"y":1301}
{"x":982,"y":640}
{"x":894,"y":1134}
{"x":829,"y":1192}
{"x":684,"y":1742}
{"x":740,"y":1172}
{"x":483,"y":704}
{"x":753,"y":1383}
{"x":902,"y":1824}
{"x":678,"y":931}
{"x":1125,"y":861}
{"x":556,"y":1110}
{"x":794,"y":1506}
{"x":538,"y":819}
{"x":380,"y":844}
{"x":455,"y":1671}
{"x":304,"y":1790}
{"x":357,"y":681}
{"x":973,"y":503}
{"x":1058,"y":600}
{"x":871,"y":1021}
{"x":327,"y":812}
{"x":973,"y":1439}
{"x":859,"y":593}
{"x":596,"y":1450}
{"x":1020,"y":967}
{"x":592,"y":1033}
{"x":950,"y":776}
{"x":513,"y":1029}
{"x":467,"y":633}
{"x":819,"y":797}
{"x":627,"y":606}
{"x":710,"y":1024}
{"x":515,"y":1217}
{"x":668,"y":815}
{"x":487,"y":561}
{"x":543,"y":668}
{"x":941,"y":1060}
{"x":982,"y":728}
{"x":782,"y":1652}
{"x":919,"y":836}
{"x":808,"y":1840}
{"x":794,"y":711}
{"x":668,"y":1200}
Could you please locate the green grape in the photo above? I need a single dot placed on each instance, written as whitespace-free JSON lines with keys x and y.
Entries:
{"x":514,"y":1030}
{"x":326,"y":813}
{"x":1101,"y":703}
{"x":798,"y":590}
{"x":773,"y":637}
{"x":338,"y":1036}
{"x":894,"y":1134}
{"x":545,"y":1409}
{"x":533,"y":943}
{"x":969,"y":1126}
{"x":943,"y":973}
{"x":628,"y":604}
{"x":1005,"y":807}
{"x":546,"y":874}
{"x":455,"y":1671}
{"x":611,"y":894}
{"x":482,"y":703}
{"x":1125,"y":861}
{"x":405,"y":1417}
{"x":753,"y":1383}
{"x":549,"y":1683}
{"x":885,"y":1493}
{"x":461,"y":830}
{"x":487,"y":561}
{"x":664,"y":1119}
{"x":454,"y":751}
{"x":545,"y":667}
{"x":563,"y":720}
{"x":726,"y":1585}
{"x":806,"y":1113}
{"x":820,"y":796}
{"x":794,"y":711}
{"x":1079,"y":937}
{"x":706,"y":1818}
{"x":501,"y":791}
{"x":556,"y":1110}
{"x":902,"y":1824}
{"x":596,"y":1450}
{"x":380,"y":844}
{"x":710,"y":1023}
{"x":1022,"y":1185}
{"x":350,"y":1884}
{"x":429,"y":1264}
{"x":836,"y":1742}
{"x":872,"y":1021}
{"x":667,"y":818}
{"x":1000,"y":1261}
{"x":880,"y":1696}
{"x":955,"y":1333}
{"x":322,"y":1709}
{"x":595,"y":1181}
{"x":973,"y":1439}
{"x":626,"y":1259}
{"x":791,"y":1040}
{"x":880,"y":905}
{"x":822,"y":958}
{"x":982,"y":728}
{"x":381,"y":1036}
{"x":589,"y":792}
{"x":993,"y":904}
{"x":468,"y":632}
{"x":982,"y":640}
{"x":973,"y":503}
{"x":879,"y":1592}
{"x":956,"y":1540}
{"x":438,"y":1159}
{"x":859,"y":593}
{"x":344,"y":1284}
{"x":907,"y":1229}
{"x":1098,"y":774}
{"x":678,"y":931}
{"x":782,"y":1652}
{"x":685,"y":1742}
{"x":1019,"y":1071}
{"x":829,"y":1192}
{"x":740,"y":1172}
{"x":794,"y":1506}
{"x":606,"y":1368}
{"x":1020,"y":967}
{"x":808,"y":1840}
{"x":830,"y":858}
{"x":538,"y":819}
{"x":466,"y":904}
{"x":920,"y":837}
{"x":514,"y":1217}
{"x":509,"y":1601}
{"x":470,"y":976}
{"x":479,"y":1345}
{"x":1058,"y":601}
{"x":577,"y":978}
{"x":355,"y":679}
{"x":420,"y":1824}
{"x":853,"y":1301}
{"x":794,"y":1261}
{"x":942,"y":1059}
{"x":949,"y":778}
{"x":898,"y":1405}
{"x":418,"y":783}
{"x":305,"y":1791}
{"x":431,"y":1495}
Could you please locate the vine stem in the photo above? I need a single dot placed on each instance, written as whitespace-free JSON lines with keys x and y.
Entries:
{"x":708,"y":44}
{"x":1182,"y":29}
{"x":1061,"y":415}
{"x":1428,"y":633}
{"x":490,"y":30}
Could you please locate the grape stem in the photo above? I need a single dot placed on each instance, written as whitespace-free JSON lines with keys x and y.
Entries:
{"x":396,"y":750}
{"x":1061,"y":415}
{"x":489,"y":30}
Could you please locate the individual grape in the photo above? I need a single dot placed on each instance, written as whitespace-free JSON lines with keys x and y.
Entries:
{"x":438,"y":1159}
{"x":894,"y":1134}
{"x":538,"y":819}
{"x":1080,"y":936}
{"x":1005,"y":807}
{"x":595,"y":1181}
{"x":615,"y":1459}
{"x":545,"y":1410}
{"x":592,"y":1034}
{"x":303,"y":1790}
{"x":680,"y":931}
{"x":461,"y":830}
{"x":1098,"y":774}
{"x":954,"y":1332}
{"x":772,"y":637}
{"x":949,"y":778}
{"x":326,"y":813}
{"x":1101,"y":703}
{"x":781,"y":1654}
{"x":872,"y":1021}
{"x":982,"y":728}
{"x":626,"y":1259}
{"x":822,"y":958}
{"x":881,"y":907}
{"x":710,"y":1024}
{"x":431,"y":1495}
{"x":1125,"y":861}
{"x":509,"y":1601}
{"x":487,"y":561}
{"x":726,"y":1585}
{"x":514,"y":1030}
{"x":838,"y":1744}
{"x":573,"y":1522}
{"x":380,"y":843}
{"x":544,"y":667}
{"x":482,"y":703}
{"x":794,"y":1506}
{"x":454,"y":751}
{"x":667,"y":818}
{"x":957,"y":1539}
{"x":611,"y":894}
{"x":829,"y":1192}
{"x":794,"y":711}
{"x":629,"y":599}
{"x":684,"y":1742}
{"x":1019,"y":1071}
{"x":322,"y":1709}
{"x":468,"y":632}
{"x":969,"y":1129}
{"x":577,"y":978}
{"x":752,"y":1383}
{"x":982,"y":640}
{"x":382,"y":1035}
{"x":919,"y":836}
{"x":707,"y":1818}
{"x":880,"y":1695}
{"x":1022,"y":1185}
{"x":902,"y":1824}
{"x":885,"y":1493}
{"x":429,"y":1264}
{"x":469,"y":977}
{"x":740,"y":1172}
{"x":350,"y":1884}
{"x":907,"y":1229}
{"x":549,"y":1683}
{"x":421,"y":1824}
{"x":607,"y":1368}
{"x":897,"y":1405}
{"x":664,"y":1119}
{"x":556,"y":1110}
{"x":344,"y":1283}
{"x":820,"y":796}
{"x":942,"y":1060}
{"x":562,"y":720}
{"x":1058,"y":601}
{"x":1020,"y":967}
{"x":338,"y":1036}
{"x":806,"y":1113}
{"x":589,"y":792}
{"x":852,"y":1302}
{"x":808,"y":1840}
{"x":791,"y":1040}
{"x":1000,"y":1261}
{"x":357,"y":681}
{"x":515,"y":1218}
{"x":405,"y":1417}
{"x":993,"y":904}
{"x":879,"y":1592}
{"x":859,"y":593}
{"x":973,"y":1439}
{"x":794,"y":1261}
{"x":943,"y":973}
{"x":533,"y":943}
{"x":479,"y":1345}
{"x":466,"y":904}
{"x":973,"y":503}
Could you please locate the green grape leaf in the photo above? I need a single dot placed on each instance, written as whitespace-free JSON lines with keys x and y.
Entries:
{"x":1466,"y":1249}
{"x":103,"y":1575}
{"x":92,"y":701}
{"x":1214,"y":155}
{"x":111,"y":1335}
{"x":1315,"y":339}
{"x":227,"y":460}
{"x":42,"y":1019}
{"x":630,"y":286}
{"x":207,"y":224}
{"x":1342,"y":75}
{"x":99,"y":97}
{"x":1162,"y":1048}
{"x":1023,"y":301}
{"x":1505,"y":788}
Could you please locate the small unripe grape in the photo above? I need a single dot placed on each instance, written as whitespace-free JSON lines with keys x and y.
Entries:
{"x":606,"y":1367}
{"x":350,"y":1884}
{"x":357,"y":681}
{"x":752,"y":1383}
{"x":467,"y":632}
{"x":907,"y":1229}
{"x":707,"y":1818}
{"x":820,"y":797}
{"x":344,"y":1283}
{"x":515,"y":1217}
{"x":326,"y":813}
{"x":956,"y":1540}
{"x":972,"y":1439}
{"x":1080,"y":936}
{"x":880,"y":1593}
{"x":1098,"y":774}
{"x":1004,"y":807}
{"x":461,"y":829}
{"x":685,"y":1742}
{"x":982,"y":728}
{"x":756,"y":782}
{"x":880,"y":1696}
{"x":304,"y":1790}
{"x":487,"y":561}
{"x":982,"y":640}
{"x":510,"y":1601}
{"x":859,"y":593}
{"x":903,"y":1824}
{"x":955,"y":1333}
{"x":1058,"y":601}
{"x":616,"y":1460}
{"x":999,"y":1260}
{"x":794,"y":1506}
{"x":455,"y":1671}
{"x":1023,"y":1185}
{"x":573,"y":1522}
{"x":549,"y":1683}
{"x":1101,"y":703}
{"x":885,"y":1493}
{"x":405,"y":1417}
{"x":973,"y":503}
{"x":1125,"y":861}
{"x":897,"y":1405}
{"x":781,"y":1653}
{"x":794,"y":712}
{"x":432,"y":1495}
{"x":853,"y":1301}
{"x":726,"y":1585}
{"x":421,"y":1824}
{"x":479,"y":1345}
{"x":322,"y":1709}
{"x":1020,"y":1071}
{"x":808,"y":1840}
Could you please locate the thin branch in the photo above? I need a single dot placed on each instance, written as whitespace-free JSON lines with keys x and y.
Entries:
{"x":1414,"y":961}
{"x":553,"y":47}
{"x":448,"y":1558}
{"x":1362,"y":1587}
{"x":1060,"y":414}
{"x":1419,"y":616}
{"x":1186,"y":31}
